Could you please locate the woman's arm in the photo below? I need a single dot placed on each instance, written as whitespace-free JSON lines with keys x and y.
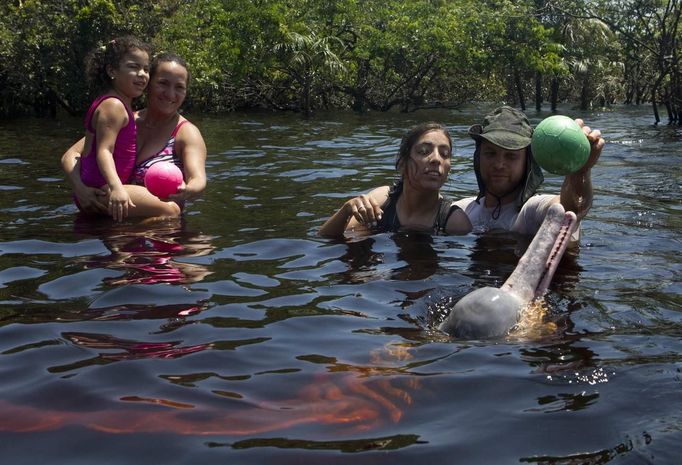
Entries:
{"x":192,"y":150}
{"x":363,"y":210}
{"x":90,"y":199}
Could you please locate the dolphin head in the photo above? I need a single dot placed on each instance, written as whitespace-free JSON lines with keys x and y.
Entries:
{"x":484,"y":313}
{"x":492,"y":312}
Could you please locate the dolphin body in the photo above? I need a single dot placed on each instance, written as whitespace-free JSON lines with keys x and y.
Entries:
{"x":491,"y":312}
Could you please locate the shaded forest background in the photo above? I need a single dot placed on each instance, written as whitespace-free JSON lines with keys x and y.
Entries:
{"x":365,"y":55}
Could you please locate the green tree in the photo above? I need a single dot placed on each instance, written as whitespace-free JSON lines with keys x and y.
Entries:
{"x":307,"y":59}
{"x":42,"y":67}
{"x":363,"y":54}
{"x":408,"y":54}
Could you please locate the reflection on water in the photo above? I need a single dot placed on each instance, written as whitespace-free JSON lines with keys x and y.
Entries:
{"x":236,"y":334}
{"x":148,"y":252}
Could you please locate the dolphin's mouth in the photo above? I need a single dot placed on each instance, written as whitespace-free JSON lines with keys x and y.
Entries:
{"x":563,"y":238}
{"x":536,"y":267}
{"x":491,"y":312}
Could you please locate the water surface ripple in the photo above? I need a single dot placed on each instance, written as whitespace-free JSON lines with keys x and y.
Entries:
{"x":237,"y":335}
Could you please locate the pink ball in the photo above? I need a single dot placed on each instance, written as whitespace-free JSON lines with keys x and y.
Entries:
{"x":163,"y":179}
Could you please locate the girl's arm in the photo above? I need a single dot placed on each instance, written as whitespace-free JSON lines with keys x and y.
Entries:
{"x":109,"y":118}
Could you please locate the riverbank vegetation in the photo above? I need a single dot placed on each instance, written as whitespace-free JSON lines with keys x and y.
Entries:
{"x":365,"y":55}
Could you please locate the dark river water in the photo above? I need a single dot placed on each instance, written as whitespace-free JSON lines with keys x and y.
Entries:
{"x":236,"y":335}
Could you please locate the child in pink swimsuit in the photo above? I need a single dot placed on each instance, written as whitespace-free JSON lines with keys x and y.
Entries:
{"x":120,"y":73}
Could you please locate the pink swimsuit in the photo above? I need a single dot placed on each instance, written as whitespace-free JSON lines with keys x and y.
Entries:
{"x":165,"y":154}
{"x":124,"y":149}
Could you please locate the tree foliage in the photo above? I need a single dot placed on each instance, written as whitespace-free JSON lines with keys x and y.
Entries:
{"x":380,"y":55}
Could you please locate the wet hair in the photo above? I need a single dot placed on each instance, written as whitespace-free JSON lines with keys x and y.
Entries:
{"x":167,"y":57}
{"x":409,"y":139}
{"x":412,"y":136}
{"x":110,"y":55}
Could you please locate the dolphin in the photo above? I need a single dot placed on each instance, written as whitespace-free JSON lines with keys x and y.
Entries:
{"x":491,"y":312}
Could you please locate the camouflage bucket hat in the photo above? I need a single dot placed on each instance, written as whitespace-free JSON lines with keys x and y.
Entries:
{"x":510,"y":129}
{"x":505,"y":127}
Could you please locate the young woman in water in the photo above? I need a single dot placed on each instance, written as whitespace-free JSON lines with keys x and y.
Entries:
{"x":162,"y":135}
{"x":415,"y":202}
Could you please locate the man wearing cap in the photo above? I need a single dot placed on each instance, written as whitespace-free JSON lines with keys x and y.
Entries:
{"x":508,"y":176}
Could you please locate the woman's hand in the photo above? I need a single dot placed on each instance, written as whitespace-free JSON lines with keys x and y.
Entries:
{"x":364,"y":209}
{"x":91,"y":199}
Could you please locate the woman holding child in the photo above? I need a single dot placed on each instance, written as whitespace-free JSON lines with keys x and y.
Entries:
{"x":162,"y":135}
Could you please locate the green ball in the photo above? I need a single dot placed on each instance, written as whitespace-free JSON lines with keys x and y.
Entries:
{"x":559,"y":145}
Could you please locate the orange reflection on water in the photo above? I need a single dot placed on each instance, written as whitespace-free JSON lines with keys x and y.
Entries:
{"x":358,"y":399}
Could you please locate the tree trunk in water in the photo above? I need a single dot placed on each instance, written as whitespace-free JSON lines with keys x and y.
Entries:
{"x":628,"y":96}
{"x":554,"y":94}
{"x":305,"y":97}
{"x":538,"y":91}
{"x":360,"y":90}
{"x":669,"y":109}
{"x":519,"y":91}
{"x":584,"y":100}
{"x":676,"y":88}
{"x":653,"y":104}
{"x":358,"y":104}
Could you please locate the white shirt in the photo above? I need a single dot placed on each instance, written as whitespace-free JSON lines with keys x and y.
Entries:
{"x":527,"y":221}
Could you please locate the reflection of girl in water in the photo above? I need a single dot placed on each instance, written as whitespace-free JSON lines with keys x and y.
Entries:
{"x":149,"y":253}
